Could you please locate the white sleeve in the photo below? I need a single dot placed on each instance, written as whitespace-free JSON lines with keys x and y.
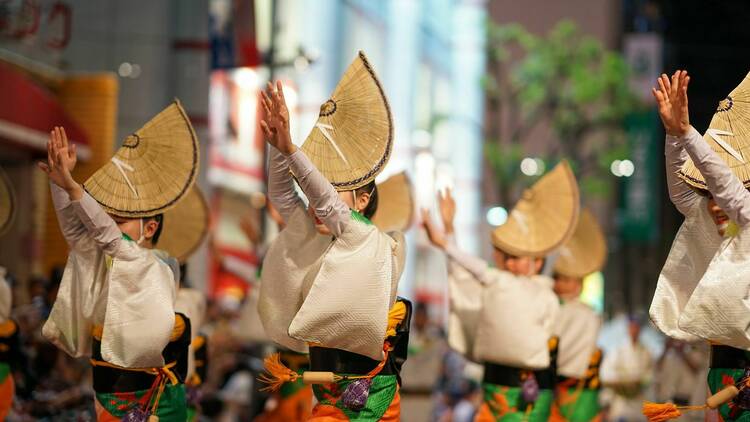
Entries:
{"x":477,"y":267}
{"x":328,"y":206}
{"x":726,"y":188}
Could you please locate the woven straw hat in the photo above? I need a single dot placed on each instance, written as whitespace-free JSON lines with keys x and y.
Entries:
{"x":586,"y":251}
{"x":395,"y":204}
{"x":544,"y":218}
{"x":729,"y":136}
{"x":353,"y":137}
{"x":185,"y":226}
{"x":155,"y":167}
{"x":7,"y":203}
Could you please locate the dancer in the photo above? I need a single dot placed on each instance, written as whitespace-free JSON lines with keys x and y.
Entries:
{"x":577,"y":325}
{"x":185,"y":229}
{"x":504,"y":317}
{"x":116,"y":287}
{"x":701,"y":292}
{"x":330,"y":278}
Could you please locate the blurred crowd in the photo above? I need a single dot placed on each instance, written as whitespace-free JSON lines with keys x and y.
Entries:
{"x":438,"y":383}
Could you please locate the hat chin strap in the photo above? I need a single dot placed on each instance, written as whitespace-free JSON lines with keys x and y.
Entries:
{"x":142,"y":237}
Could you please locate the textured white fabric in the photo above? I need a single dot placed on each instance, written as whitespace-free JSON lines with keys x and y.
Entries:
{"x":191,"y":303}
{"x":516,"y":320}
{"x":6,"y":297}
{"x":331,"y":292}
{"x":700,"y":292}
{"x":719,"y":308}
{"x":577,"y":327}
{"x":692,"y":250}
{"x":139,"y":318}
{"x":113,"y":282}
{"x":294,"y":255}
{"x":132,"y":299}
{"x":465,"y":300}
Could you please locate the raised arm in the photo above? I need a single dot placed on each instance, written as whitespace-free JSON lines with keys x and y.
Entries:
{"x":71,"y":226}
{"x":281,"y":190}
{"x":477,"y":267}
{"x":682,"y":195}
{"x":671,"y":98}
{"x":61,"y":160}
{"x":726,"y":189}
{"x":96,"y":224}
{"x":324,"y":199}
{"x":729,"y":193}
{"x":100,"y":227}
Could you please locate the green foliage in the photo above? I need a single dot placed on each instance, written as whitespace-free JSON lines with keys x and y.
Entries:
{"x":565,"y":80}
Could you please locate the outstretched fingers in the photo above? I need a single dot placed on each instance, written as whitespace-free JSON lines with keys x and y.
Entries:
{"x":280,"y":91}
{"x":663,"y":81}
{"x":267,"y":132}
{"x":266,"y":102}
{"x":63,"y":136}
{"x":50,"y":148}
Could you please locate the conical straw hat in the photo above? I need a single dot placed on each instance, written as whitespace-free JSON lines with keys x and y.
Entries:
{"x":353,"y":137}
{"x":544,"y":218}
{"x":729,"y":136}
{"x":155,"y":167}
{"x":185,"y":226}
{"x":586,"y":251}
{"x":395,"y":204}
{"x":7,"y":203}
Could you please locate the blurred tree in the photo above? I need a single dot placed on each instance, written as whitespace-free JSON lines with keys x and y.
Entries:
{"x":565,"y":81}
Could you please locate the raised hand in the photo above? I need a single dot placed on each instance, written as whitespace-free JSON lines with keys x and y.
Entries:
{"x":437,"y":238}
{"x":61,"y":160}
{"x":275,"y":123}
{"x":447,"y":206}
{"x":672,"y":100}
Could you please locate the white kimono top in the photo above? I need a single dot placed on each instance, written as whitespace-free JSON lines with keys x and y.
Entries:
{"x":703,"y":289}
{"x":499,"y":317}
{"x":577,"y":327}
{"x":111,"y":281}
{"x":331,"y":291}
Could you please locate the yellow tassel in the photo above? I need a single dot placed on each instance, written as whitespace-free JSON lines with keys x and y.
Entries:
{"x":277,"y":374}
{"x":658,"y":412}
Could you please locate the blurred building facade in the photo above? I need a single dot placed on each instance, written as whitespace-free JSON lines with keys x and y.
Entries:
{"x":429,"y":55}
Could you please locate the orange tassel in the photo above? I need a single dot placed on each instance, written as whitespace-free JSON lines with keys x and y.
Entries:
{"x":658,"y":412}
{"x":277,"y":374}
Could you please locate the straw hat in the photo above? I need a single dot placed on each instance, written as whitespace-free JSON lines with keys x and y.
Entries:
{"x":155,"y":167}
{"x":729,"y":136}
{"x":185,"y":226}
{"x":353,"y":137}
{"x":395,"y":204}
{"x":544,"y":218}
{"x":586,"y":251}
{"x":7,"y":203}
